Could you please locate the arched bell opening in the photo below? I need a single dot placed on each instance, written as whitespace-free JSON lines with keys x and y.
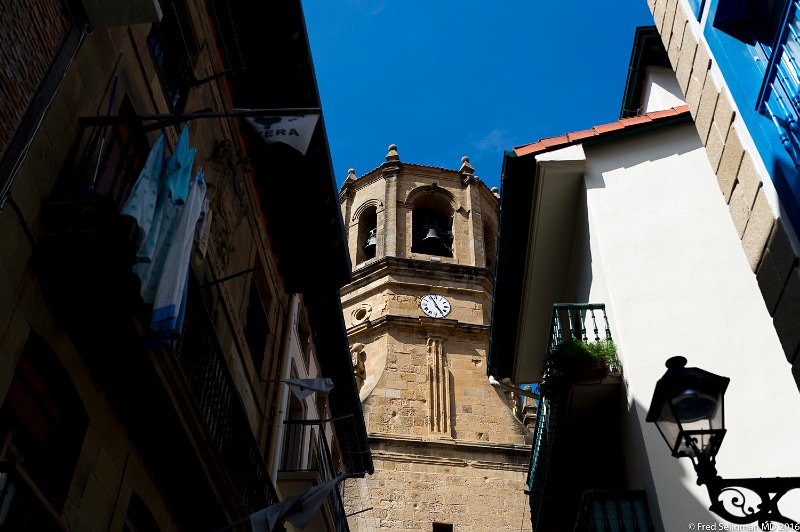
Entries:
{"x":367,"y":235}
{"x":432,"y":226}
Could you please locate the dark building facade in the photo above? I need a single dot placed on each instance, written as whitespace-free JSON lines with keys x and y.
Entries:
{"x":104,"y":424}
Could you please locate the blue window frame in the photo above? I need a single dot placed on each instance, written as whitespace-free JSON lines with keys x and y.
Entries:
{"x":697,"y":7}
{"x":757,"y":47}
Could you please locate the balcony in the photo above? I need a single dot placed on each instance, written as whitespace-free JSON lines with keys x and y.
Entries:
{"x":613,"y":511}
{"x":304,"y":465}
{"x":205,"y":371}
{"x":580,"y":402}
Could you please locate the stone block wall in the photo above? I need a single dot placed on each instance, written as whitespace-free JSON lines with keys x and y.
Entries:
{"x":31,"y":34}
{"x":417,"y":486}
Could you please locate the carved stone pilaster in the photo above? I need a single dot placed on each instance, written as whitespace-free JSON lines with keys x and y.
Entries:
{"x":438,"y":387}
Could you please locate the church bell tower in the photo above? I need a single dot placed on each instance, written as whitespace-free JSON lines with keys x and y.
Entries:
{"x":449,"y":453}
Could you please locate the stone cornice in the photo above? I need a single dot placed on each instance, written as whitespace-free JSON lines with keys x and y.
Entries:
{"x":431,"y":325}
{"x":445,"y":443}
{"x":433,"y":271}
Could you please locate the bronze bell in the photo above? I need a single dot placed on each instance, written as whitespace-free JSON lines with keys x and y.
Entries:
{"x":432,"y":237}
{"x":372,"y":241}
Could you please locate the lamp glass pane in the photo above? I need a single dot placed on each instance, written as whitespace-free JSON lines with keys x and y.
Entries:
{"x":668,"y":427}
{"x":700,"y":417}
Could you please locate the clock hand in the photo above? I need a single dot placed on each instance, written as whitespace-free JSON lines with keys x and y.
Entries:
{"x":438,"y":307}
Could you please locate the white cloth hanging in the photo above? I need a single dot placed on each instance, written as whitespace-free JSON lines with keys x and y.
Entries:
{"x":299,"y":509}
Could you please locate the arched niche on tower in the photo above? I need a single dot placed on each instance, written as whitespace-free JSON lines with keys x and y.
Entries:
{"x":367,"y":231}
{"x":432,"y":210}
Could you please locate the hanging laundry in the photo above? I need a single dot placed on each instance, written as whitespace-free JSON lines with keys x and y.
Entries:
{"x":168,"y":280}
{"x":141,"y":203}
{"x":176,"y":232}
{"x":174,"y":183}
{"x":179,"y":168}
{"x":203,"y":232}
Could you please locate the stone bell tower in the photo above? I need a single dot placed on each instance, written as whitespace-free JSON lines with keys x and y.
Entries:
{"x":449,"y":453}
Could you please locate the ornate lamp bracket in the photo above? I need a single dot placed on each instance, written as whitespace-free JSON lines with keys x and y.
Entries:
{"x":751,"y":500}
{"x":743,"y":500}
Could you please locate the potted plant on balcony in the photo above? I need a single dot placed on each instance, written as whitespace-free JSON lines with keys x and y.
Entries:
{"x":575,"y":359}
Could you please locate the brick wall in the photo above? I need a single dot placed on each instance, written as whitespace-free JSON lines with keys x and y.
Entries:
{"x":31,"y":33}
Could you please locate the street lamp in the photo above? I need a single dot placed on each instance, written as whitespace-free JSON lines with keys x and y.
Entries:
{"x":688,"y":408}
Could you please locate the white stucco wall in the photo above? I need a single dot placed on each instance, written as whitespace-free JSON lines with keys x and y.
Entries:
{"x":661,"y":90}
{"x":659,"y":248}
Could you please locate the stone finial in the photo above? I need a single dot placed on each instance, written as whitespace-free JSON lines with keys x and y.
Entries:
{"x":392,"y":155}
{"x":466,"y":168}
{"x":351,"y":175}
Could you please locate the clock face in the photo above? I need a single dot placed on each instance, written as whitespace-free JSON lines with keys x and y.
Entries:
{"x":435,"y":306}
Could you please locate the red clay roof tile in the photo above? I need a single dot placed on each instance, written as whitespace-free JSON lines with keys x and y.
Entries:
{"x":578,"y":135}
{"x":631,"y":120}
{"x":572,"y":138}
{"x":606,"y":128}
{"x":553,"y":141}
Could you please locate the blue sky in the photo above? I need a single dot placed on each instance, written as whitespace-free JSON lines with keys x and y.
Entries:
{"x":442,"y":79}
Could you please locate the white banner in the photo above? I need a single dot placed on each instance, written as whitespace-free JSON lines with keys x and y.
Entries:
{"x":295,"y":131}
{"x":302,"y":388}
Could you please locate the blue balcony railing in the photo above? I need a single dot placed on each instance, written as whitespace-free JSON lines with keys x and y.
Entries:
{"x":540,"y":454}
{"x":779,"y":97}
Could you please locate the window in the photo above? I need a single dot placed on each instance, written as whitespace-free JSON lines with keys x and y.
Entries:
{"x":432,"y":225}
{"x":304,"y":335}
{"x":367,"y":235}
{"x":173,"y":44}
{"x":123,"y":157}
{"x":256,"y":325}
{"x":442,"y":527}
{"x":755,"y":45}
{"x":42,"y":426}
{"x":294,"y":435}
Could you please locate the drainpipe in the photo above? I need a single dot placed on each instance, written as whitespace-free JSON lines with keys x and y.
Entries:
{"x":285,"y":371}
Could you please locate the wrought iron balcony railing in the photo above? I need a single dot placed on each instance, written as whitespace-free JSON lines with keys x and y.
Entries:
{"x":779,"y":97}
{"x":614,"y":511}
{"x":568,"y":321}
{"x":540,"y":454}
{"x":320,"y":462}
{"x":334,"y":501}
{"x":206,"y":372}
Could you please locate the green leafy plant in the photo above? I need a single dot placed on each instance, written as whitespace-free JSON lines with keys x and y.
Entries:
{"x":575,"y":359}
